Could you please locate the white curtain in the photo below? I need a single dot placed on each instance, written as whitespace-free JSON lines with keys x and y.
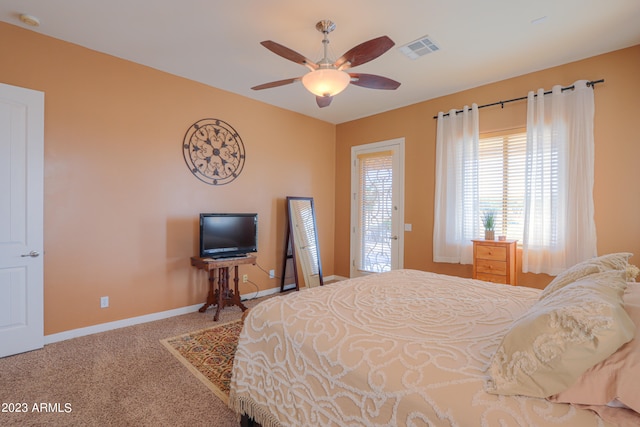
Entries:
{"x":457,"y":212}
{"x":559,"y":227}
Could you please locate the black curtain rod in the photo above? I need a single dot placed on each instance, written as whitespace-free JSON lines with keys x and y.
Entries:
{"x":591,"y":83}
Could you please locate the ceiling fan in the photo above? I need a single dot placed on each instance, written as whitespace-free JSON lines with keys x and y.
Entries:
{"x":327,"y":78}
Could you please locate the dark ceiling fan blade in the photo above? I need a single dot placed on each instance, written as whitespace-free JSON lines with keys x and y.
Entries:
{"x":324,"y":101}
{"x":275,"y":84}
{"x":365,"y":52}
{"x":287,"y":53}
{"x":372,"y":81}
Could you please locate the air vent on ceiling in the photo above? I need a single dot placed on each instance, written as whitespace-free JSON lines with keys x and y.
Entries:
{"x":420,"y":47}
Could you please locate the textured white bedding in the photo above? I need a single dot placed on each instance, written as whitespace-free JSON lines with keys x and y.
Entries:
{"x":404,"y":348}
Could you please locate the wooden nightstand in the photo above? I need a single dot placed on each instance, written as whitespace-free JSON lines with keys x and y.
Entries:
{"x":495,"y":261}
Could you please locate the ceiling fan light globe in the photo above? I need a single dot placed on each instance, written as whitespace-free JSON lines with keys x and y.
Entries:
{"x":326,"y":82}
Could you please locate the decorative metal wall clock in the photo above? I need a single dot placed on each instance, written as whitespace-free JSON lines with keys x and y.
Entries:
{"x":213,"y":151}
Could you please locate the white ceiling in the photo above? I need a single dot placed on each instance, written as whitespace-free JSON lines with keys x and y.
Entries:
{"x":217,"y":42}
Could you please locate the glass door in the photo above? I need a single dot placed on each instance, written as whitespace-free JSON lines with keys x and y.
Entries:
{"x":377,"y":215}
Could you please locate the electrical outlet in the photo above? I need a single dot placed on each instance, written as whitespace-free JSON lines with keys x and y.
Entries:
{"x":272,"y":274}
{"x":245,"y":278}
{"x":104,"y":302}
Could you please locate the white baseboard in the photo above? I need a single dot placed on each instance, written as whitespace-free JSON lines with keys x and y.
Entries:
{"x":103,"y":327}
{"x":325,"y":279}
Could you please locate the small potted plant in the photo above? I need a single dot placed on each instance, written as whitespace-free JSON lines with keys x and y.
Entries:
{"x":489,"y":223}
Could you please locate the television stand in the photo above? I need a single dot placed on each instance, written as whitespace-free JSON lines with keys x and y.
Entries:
{"x":219,"y":292}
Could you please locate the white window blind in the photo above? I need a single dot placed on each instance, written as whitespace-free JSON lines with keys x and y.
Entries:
{"x":306,"y":235}
{"x":376,"y":209}
{"x":501,"y":177}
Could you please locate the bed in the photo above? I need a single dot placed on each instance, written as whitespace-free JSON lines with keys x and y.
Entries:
{"x":403,"y":348}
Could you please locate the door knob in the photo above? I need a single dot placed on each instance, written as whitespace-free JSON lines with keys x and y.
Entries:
{"x":394,"y":237}
{"x":32,"y":254}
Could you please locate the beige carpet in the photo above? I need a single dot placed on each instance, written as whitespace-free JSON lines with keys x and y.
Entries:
{"x":124,"y":377}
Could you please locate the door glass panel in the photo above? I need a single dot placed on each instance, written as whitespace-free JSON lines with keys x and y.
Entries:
{"x":375,"y":211}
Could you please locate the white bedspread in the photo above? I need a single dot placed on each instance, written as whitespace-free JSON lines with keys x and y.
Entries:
{"x":404,"y":348}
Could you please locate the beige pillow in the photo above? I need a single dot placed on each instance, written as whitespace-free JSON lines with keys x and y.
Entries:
{"x":561,"y":336}
{"x":616,"y":261}
{"x":618,"y":376}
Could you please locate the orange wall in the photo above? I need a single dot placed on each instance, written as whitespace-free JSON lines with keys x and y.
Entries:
{"x":121,"y":207}
{"x":617,"y":150}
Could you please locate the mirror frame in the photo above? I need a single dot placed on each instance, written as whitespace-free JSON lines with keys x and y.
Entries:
{"x":295,"y":245}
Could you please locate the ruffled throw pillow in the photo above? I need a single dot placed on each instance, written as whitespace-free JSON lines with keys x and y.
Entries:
{"x":615,"y":261}
{"x":561,"y":336}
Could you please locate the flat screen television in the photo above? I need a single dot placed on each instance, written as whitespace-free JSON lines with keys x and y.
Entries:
{"x":224,"y":235}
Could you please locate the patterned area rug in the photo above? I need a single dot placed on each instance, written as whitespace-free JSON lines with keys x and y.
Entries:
{"x":208,"y":354}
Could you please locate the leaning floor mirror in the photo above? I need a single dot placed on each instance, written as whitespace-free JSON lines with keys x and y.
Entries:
{"x":304,"y":242}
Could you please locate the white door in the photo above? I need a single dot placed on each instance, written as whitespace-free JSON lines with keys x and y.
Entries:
{"x":377,"y":207}
{"x":21,"y":219}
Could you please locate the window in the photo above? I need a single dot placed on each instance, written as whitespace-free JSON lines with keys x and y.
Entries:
{"x":539,"y":184}
{"x":501,"y":177}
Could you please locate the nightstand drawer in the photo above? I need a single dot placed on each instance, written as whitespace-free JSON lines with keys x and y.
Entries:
{"x":492,"y":278}
{"x":491,"y":267}
{"x":498,"y":253}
